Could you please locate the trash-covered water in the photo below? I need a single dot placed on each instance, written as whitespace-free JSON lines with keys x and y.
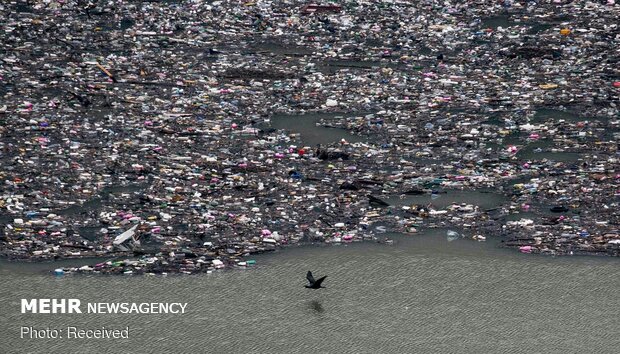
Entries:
{"x":423,"y":294}
{"x":187,"y":99}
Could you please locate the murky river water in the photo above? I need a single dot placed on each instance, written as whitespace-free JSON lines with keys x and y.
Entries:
{"x":310,"y":132}
{"x":422,"y":294}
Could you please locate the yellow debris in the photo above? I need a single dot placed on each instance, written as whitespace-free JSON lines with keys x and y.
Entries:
{"x":548,"y":86}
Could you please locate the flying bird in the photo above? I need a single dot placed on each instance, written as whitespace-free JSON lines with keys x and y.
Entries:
{"x":314,"y":284}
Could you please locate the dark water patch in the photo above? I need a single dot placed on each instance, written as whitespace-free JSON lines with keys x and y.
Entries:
{"x":496,"y":21}
{"x":281,"y":49}
{"x":425,"y":51}
{"x":351,"y":64}
{"x":6,"y":88}
{"x":89,"y":232}
{"x":567,"y":157}
{"x":106,"y":26}
{"x":256,"y":73}
{"x":427,"y":160}
{"x":543,"y":149}
{"x":366,"y":64}
{"x":513,"y":139}
{"x":96,"y":203}
{"x":495,"y":119}
{"x":522,"y":215}
{"x":311,"y":134}
{"x":538,"y":28}
{"x":482,"y":199}
{"x":180,"y":227}
{"x":126,"y":23}
{"x":173,"y":2}
{"x":5,"y":219}
{"x":123,"y":189}
{"x":555,"y":115}
{"x":458,"y":111}
{"x":333,"y":66}
{"x":520,"y":180}
{"x":363,"y":64}
{"x":481,"y":41}
{"x":374,"y":42}
{"x":23,"y":8}
{"x":90,"y":205}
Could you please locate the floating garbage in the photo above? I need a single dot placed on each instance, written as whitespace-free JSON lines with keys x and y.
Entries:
{"x":452,"y":235}
{"x":381,"y":229}
{"x":185,"y":138}
{"x":479,"y":238}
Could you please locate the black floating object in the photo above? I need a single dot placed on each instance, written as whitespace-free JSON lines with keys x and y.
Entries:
{"x":559,"y":209}
{"x":84,"y":101}
{"x":376,"y":201}
{"x":349,"y":186}
{"x":314,"y":284}
{"x":325,"y":155}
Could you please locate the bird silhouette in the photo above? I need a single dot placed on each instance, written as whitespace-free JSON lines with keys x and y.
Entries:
{"x":314,"y":284}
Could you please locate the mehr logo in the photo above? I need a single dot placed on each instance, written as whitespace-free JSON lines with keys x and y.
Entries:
{"x":51,"y":306}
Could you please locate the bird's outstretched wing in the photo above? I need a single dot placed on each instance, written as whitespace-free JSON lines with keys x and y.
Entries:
{"x":310,"y":277}
{"x":319,"y":281}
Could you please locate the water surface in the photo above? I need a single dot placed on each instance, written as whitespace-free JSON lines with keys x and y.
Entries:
{"x":311,"y":133}
{"x":481,"y":198}
{"x":423,"y":295}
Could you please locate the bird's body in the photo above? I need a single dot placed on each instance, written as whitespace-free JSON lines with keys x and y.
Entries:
{"x":314,"y":284}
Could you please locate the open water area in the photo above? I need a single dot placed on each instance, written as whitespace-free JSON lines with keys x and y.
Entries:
{"x":421,"y":294}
